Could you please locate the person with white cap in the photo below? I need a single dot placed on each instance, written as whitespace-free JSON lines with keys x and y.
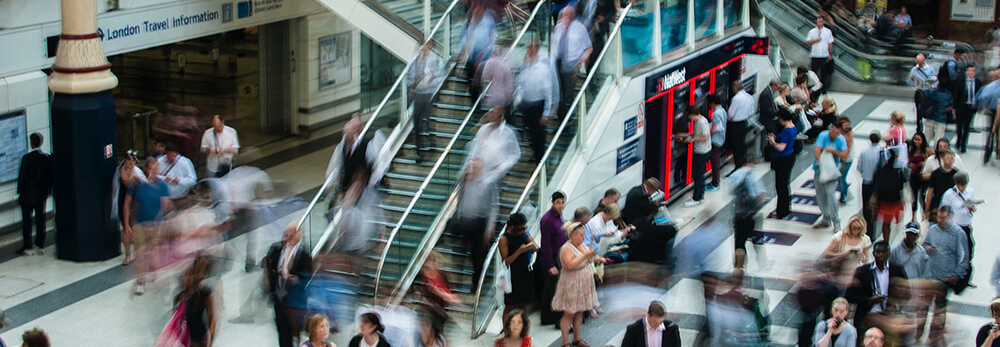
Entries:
{"x":4,"y":321}
{"x":912,"y":257}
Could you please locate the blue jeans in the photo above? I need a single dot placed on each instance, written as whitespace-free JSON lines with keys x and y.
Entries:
{"x":842,"y":185}
{"x":698,"y":162}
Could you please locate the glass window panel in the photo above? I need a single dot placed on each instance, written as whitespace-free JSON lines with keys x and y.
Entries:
{"x":734,"y":12}
{"x":636,"y":33}
{"x":704,"y":18}
{"x":673,"y":24}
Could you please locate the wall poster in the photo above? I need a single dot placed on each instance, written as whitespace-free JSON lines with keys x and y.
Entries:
{"x":973,"y":10}
{"x":334,"y":60}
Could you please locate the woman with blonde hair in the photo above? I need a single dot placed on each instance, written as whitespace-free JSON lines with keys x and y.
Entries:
{"x":318,"y":328}
{"x":824,"y":118}
{"x":896,"y":135}
{"x":851,"y":243}
{"x":576,"y":292}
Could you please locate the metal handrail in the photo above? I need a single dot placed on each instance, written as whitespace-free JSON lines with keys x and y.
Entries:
{"x":545,"y":157}
{"x":378,"y":110}
{"x":437,"y":165}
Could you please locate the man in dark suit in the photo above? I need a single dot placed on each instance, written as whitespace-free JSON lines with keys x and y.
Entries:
{"x":638,"y":207}
{"x":284,"y":263}
{"x":34,"y":184}
{"x":768,"y":108}
{"x":964,"y":97}
{"x":870,"y":287}
{"x":656,"y":325}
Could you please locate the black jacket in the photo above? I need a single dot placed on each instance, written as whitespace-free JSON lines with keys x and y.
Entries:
{"x":959,"y":94}
{"x":34,"y":179}
{"x":768,"y":109}
{"x":863,"y":288}
{"x":356,"y":341}
{"x":635,"y":334}
{"x":300,"y":266}
{"x":637,"y":206}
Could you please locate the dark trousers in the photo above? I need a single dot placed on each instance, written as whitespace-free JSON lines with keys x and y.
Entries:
{"x":698,"y":162}
{"x":968,"y":235}
{"x":567,"y":90}
{"x":716,"y":159}
{"x":823,"y":69}
{"x":222,"y":170}
{"x":963,"y":121}
{"x":421,"y":115}
{"x":867,"y":189}
{"x":532,"y":118}
{"x":472,"y":228}
{"x":782,"y":167}
{"x":548,"y":316}
{"x":284,"y":325}
{"x":38,"y":209}
{"x":736,"y":141}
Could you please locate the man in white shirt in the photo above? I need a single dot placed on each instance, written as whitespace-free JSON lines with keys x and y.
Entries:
{"x":655,"y":330}
{"x":740,"y":108}
{"x":221,"y":143}
{"x":572,"y":48}
{"x":178,"y":171}
{"x":538,"y":92}
{"x":934,"y":162}
{"x":956,"y":197}
{"x":820,"y":39}
{"x":423,"y":79}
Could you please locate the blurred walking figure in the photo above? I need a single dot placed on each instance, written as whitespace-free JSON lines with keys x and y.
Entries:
{"x":478,"y":40}
{"x":353,"y":154}
{"x":538,"y":93}
{"x":869,"y":289}
{"x":127,"y":175}
{"x":947,"y":262}
{"x":874,"y":337}
{"x":221,"y":143}
{"x":492,"y":153}
{"x":199,"y":305}
{"x":422,"y":79}
{"x":498,"y":71}
{"x":748,"y":197}
{"x":571,"y":48}
{"x":436,"y":292}
{"x":285,"y":262}
{"x":151,"y":201}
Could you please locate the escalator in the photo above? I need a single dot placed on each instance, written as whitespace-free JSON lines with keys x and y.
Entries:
{"x":523,"y":186}
{"x":857,"y":70}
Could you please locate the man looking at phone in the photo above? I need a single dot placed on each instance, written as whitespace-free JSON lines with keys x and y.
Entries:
{"x":836,"y":331}
{"x":947,"y":261}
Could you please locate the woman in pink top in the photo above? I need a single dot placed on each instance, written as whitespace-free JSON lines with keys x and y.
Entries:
{"x":896,"y":135}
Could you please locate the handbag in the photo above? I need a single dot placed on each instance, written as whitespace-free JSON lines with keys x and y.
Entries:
{"x":503,"y":280}
{"x":176,"y":333}
{"x":828,"y":170}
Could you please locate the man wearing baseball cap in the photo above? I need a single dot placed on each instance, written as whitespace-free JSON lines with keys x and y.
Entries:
{"x":4,"y":321}
{"x":911,"y":256}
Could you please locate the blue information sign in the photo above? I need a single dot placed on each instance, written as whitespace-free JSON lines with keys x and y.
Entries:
{"x":629,"y":154}
{"x":631,"y":127}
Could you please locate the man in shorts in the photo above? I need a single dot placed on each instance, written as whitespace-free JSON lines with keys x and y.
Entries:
{"x":150,"y":201}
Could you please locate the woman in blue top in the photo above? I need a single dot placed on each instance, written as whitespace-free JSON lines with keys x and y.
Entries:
{"x":784,"y":159}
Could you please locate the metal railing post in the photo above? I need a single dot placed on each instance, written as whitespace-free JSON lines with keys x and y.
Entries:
{"x":403,"y":102}
{"x":745,"y":23}
{"x":581,"y":118}
{"x":720,"y":18}
{"x":427,"y":18}
{"x":689,"y":41}
{"x":657,"y":35}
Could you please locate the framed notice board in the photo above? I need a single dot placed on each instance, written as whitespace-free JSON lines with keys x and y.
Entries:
{"x":13,"y":143}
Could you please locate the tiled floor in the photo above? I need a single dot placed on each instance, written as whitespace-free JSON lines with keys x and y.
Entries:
{"x":89,"y":304}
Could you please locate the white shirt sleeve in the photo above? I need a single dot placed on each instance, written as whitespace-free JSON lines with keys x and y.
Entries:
{"x":373,"y":156}
{"x":510,"y":151}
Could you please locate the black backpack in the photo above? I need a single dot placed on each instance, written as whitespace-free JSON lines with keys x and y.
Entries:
{"x":926,"y":108}
{"x":944,"y":75}
{"x":889,"y":183}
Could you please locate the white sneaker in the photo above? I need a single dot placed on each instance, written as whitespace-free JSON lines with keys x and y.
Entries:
{"x":39,"y":251}
{"x":28,"y":252}
{"x":139,"y":290}
{"x":692,"y":203}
